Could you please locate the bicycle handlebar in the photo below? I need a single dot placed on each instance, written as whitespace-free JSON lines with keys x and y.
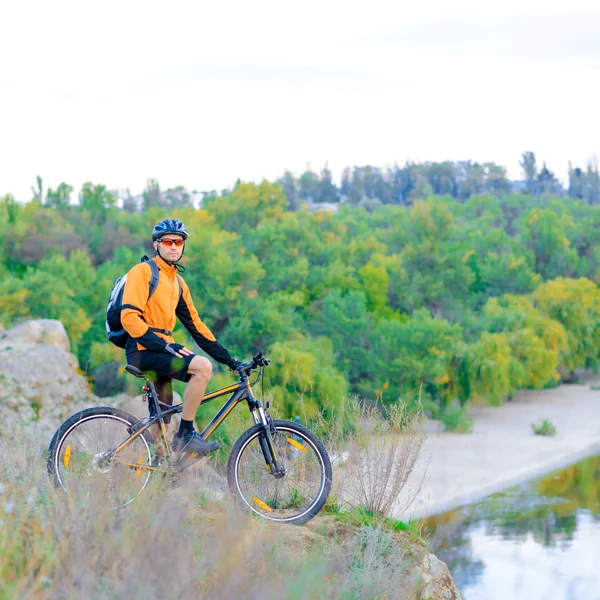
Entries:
{"x":259,"y":360}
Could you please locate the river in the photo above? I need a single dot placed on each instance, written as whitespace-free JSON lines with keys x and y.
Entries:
{"x":540,"y":540}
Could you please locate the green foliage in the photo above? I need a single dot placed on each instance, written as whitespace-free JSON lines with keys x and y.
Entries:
{"x":96,"y":200}
{"x":575,"y":303}
{"x":433,"y":259}
{"x":108,"y":380}
{"x":544,"y":428}
{"x":457,"y":301}
{"x":406,"y":355}
{"x":248,"y":205}
{"x":303,"y":377}
{"x":536,"y":341}
{"x":42,"y":295}
{"x":500,"y":264}
{"x":490,"y":364}
{"x":361,"y":517}
{"x":544,"y":233}
{"x":454,"y":417}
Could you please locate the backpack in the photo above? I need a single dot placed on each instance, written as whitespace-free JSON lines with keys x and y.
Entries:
{"x":114,"y":329}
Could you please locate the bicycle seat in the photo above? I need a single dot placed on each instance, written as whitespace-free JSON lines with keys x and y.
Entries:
{"x":135,"y":371}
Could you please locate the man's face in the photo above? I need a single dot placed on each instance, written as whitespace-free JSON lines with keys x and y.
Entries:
{"x":168,"y":247}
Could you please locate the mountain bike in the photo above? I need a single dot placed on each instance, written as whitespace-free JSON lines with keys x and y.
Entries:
{"x":278,"y":470}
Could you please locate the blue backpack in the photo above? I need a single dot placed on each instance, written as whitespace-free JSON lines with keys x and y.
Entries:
{"x":114,"y":329}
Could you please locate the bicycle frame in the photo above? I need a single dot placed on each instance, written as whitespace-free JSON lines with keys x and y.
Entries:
{"x":239,"y":392}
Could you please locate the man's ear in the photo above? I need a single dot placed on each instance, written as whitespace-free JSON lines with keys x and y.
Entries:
{"x":155,"y":244}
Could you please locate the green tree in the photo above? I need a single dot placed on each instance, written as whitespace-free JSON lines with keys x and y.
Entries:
{"x":96,"y":200}
{"x":529,"y":166}
{"x":41,"y":295}
{"x":38,"y":191}
{"x":303,"y":378}
{"x":575,"y":303}
{"x":500,"y":265}
{"x":248,"y":205}
{"x":37,"y":232}
{"x":290,"y":188}
{"x":153,"y":197}
{"x":345,"y":320}
{"x":544,"y":233}
{"x":308,"y":185}
{"x":407,"y":354}
{"x":326,"y":191}
{"x":437,"y":276}
{"x":537,"y":342}
{"x":264,"y":320}
{"x":60,"y":198}
{"x":376,"y":283}
{"x":490,"y":364}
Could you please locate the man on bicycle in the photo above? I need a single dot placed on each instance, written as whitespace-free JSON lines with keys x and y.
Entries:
{"x":149,"y":323}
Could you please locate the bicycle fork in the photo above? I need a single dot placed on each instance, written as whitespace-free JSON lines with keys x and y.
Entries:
{"x":265,"y":438}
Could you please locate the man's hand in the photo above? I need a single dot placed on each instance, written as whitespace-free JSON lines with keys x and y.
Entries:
{"x":235,"y":365}
{"x":177,"y":350}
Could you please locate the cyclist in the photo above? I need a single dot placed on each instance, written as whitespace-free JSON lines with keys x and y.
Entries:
{"x":149,"y":323}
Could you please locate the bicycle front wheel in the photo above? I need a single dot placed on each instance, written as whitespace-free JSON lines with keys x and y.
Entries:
{"x":82,"y":458}
{"x":293,"y":498}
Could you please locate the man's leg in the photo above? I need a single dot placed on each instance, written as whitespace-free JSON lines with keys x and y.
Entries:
{"x":200,"y":370}
{"x":164,"y":391}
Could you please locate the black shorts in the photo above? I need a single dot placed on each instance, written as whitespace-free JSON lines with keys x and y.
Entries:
{"x":162,"y":364}
{"x":163,"y":368}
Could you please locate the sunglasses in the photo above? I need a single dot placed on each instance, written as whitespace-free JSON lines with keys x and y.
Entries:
{"x":169,"y":243}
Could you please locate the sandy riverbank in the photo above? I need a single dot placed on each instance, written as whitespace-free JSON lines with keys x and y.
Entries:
{"x":503,"y":451}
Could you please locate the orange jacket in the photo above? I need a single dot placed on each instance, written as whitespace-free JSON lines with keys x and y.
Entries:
{"x":141,"y":316}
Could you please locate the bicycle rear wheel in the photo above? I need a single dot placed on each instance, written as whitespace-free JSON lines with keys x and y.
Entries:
{"x":297,"y":496}
{"x":81,"y":460}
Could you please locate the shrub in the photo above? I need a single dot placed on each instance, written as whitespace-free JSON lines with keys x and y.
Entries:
{"x":376,"y":449}
{"x":456,"y":418}
{"x":544,"y":428}
{"x":108,"y":381}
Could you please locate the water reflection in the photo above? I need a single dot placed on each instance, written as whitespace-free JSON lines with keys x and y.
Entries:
{"x":535,"y":531}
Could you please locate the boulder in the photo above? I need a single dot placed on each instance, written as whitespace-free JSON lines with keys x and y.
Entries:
{"x":39,"y":378}
{"x":436,"y":582}
{"x":42,"y":331}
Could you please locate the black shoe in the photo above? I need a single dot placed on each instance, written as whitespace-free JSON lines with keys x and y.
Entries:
{"x":193,"y":442}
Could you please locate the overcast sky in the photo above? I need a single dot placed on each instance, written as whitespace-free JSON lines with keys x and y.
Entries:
{"x":116,"y":92}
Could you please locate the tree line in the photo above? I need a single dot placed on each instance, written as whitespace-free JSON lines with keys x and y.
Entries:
{"x":369,"y":186}
{"x":460,"y":180}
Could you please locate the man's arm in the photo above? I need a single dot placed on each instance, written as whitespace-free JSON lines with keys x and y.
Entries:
{"x":135,"y":297}
{"x":188,"y":315}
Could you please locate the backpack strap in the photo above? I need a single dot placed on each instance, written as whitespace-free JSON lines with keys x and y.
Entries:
{"x":180,"y":286}
{"x":154,"y":280}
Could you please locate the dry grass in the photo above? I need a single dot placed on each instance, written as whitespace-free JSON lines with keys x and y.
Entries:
{"x":376,"y":449}
{"x":173,"y":543}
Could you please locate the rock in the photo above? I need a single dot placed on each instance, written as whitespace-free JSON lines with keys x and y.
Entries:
{"x":42,"y":331}
{"x":436,"y":583}
{"x":39,"y":378}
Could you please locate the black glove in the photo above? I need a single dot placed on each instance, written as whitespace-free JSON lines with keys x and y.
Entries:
{"x":235,"y":364}
{"x":173,"y":348}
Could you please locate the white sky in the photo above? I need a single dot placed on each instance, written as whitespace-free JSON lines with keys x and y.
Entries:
{"x":199,"y":94}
